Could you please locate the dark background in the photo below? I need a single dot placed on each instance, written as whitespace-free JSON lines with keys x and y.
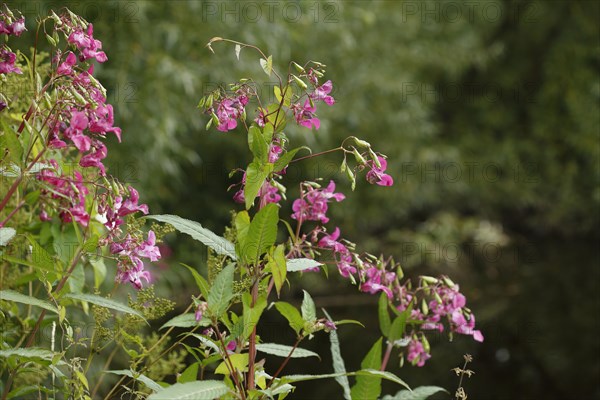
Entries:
{"x":488,"y":112}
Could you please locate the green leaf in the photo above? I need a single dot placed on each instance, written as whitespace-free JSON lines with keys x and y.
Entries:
{"x":12,"y":143}
{"x":252,"y":314}
{"x":32,"y":353}
{"x":221,"y":291}
{"x":277,"y":264}
{"x":384,"y":316}
{"x":338,"y":361}
{"x":309,"y":311}
{"x":256,"y":173}
{"x":285,"y":158}
{"x":104,"y":302}
{"x":396,"y":331}
{"x":6,"y":234}
{"x":202,"y":284}
{"x":261,"y":233}
{"x":186,"y":321}
{"x":190,"y":374}
{"x":239,"y":362}
{"x":420,"y":393}
{"x":242,"y":223}
{"x":219,"y":244}
{"x":301,"y":264}
{"x":267,"y":65}
{"x":99,"y":271}
{"x":150,"y":384}
{"x":258,"y":145}
{"x":91,"y":244}
{"x":199,"y":390}
{"x":291,"y":314}
{"x":382,"y":374}
{"x":11,"y":295}
{"x":287,"y":97}
{"x":40,"y":257}
{"x":367,"y":386}
{"x":281,"y":350}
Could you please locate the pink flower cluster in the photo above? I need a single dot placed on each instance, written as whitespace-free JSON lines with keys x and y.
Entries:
{"x":229,"y":110}
{"x":130,"y":251}
{"x":305,"y":113}
{"x":132,"y":248}
{"x":86,"y":44}
{"x":377,"y":175}
{"x":312,"y":204}
{"x":67,"y":194}
{"x":9,"y":26}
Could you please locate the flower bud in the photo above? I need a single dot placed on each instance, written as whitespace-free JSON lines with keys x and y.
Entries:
{"x":299,"y":68}
{"x":424,"y":307}
{"x":300,"y":83}
{"x":429,"y":279}
{"x":359,"y":158}
{"x":362,"y":143}
{"x":51,"y":40}
{"x":448,"y":282}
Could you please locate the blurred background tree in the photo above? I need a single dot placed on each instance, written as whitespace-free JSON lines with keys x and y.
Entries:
{"x":488,"y":111}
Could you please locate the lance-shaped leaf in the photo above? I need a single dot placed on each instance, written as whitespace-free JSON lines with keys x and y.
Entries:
{"x":103,"y":302}
{"x":286,"y":158}
{"x":261,"y":233}
{"x":384,"y":315}
{"x":200,"y":281}
{"x":34,"y":354}
{"x":150,"y":384}
{"x":219,"y":244}
{"x":252,"y":314}
{"x":368,"y":386}
{"x":301,"y":264}
{"x":205,"y":390}
{"x":239,"y":362}
{"x":256,"y":173}
{"x":277,"y":264}
{"x":221,"y":291}
{"x":291,"y":314}
{"x":186,"y":321}
{"x":281,"y":350}
{"x":309,"y":311}
{"x":339,"y":366}
{"x":11,"y":295}
{"x":420,"y":393}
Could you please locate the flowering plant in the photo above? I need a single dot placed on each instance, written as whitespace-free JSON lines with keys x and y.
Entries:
{"x":56,"y":188}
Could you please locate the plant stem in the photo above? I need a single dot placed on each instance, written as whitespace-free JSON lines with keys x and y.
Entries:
{"x":386,"y":356}
{"x":252,"y":345}
{"x":287,"y":359}
{"x":229,"y":364}
{"x":12,"y":213}
{"x":317,"y":154}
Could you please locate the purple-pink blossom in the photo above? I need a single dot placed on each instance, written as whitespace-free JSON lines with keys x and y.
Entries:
{"x":312,"y":205}
{"x":377,"y":174}
{"x":7,"y":62}
{"x":229,"y":110}
{"x":87,"y":45}
{"x":305,"y":115}
{"x":417,"y":354}
{"x":322,"y":93}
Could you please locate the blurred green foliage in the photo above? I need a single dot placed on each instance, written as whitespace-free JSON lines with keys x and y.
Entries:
{"x":488,"y":111}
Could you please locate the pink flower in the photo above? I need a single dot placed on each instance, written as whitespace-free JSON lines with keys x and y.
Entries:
{"x":134,"y":275}
{"x":322,"y":93}
{"x":268,"y":194}
{"x":7,"y":62}
{"x":66,"y":68}
{"x":102,"y":121}
{"x":417,"y":354}
{"x":87,"y":45}
{"x":312,"y":206}
{"x":95,"y":156}
{"x":377,"y":176}
{"x":305,"y":115}
{"x":148,"y":249}
{"x":228,"y":110}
